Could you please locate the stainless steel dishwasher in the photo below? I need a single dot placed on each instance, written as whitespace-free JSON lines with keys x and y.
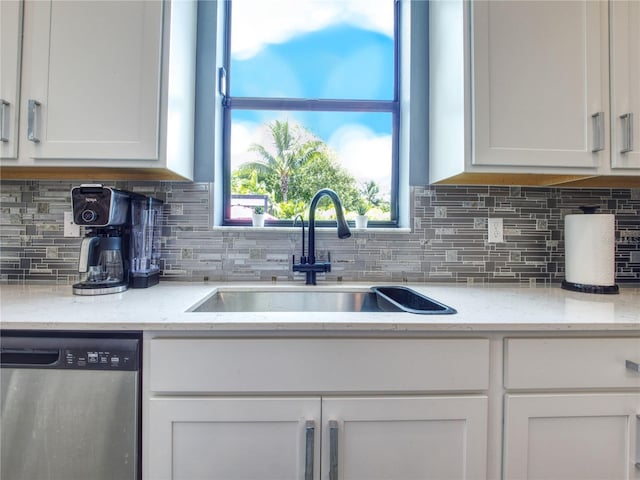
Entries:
{"x":70,"y":406}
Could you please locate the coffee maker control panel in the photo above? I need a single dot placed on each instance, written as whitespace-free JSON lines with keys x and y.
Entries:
{"x":89,"y":216}
{"x":98,"y":206}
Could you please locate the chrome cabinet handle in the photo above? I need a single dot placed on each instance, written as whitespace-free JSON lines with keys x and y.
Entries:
{"x":627,"y":132}
{"x":637,"y":464}
{"x":633,"y":366}
{"x":333,"y":450}
{"x":32,"y":120}
{"x":597,"y":125}
{"x":4,"y":120}
{"x":309,"y":433}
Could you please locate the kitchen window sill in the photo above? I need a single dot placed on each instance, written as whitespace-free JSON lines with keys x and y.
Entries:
{"x":229,"y":228}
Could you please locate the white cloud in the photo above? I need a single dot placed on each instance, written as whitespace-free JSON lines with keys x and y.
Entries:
{"x":366,"y":155}
{"x":243,"y":135}
{"x":276,"y":21}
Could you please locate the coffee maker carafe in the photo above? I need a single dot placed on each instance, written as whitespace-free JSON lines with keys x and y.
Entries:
{"x":103,"y":264}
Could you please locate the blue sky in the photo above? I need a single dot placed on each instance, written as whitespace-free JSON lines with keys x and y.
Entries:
{"x":340,"y":61}
{"x":317,"y":49}
{"x":337,"y":62}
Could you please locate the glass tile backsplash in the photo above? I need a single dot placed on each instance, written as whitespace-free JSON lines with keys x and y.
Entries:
{"x":447,"y":243}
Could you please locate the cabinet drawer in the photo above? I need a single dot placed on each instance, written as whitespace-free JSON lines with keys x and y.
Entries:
{"x":571,"y":363}
{"x":317,"y":365}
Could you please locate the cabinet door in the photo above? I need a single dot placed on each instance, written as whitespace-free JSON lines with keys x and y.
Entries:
{"x":540,"y":74}
{"x":571,"y":437}
{"x":232,"y":439}
{"x":625,"y":79}
{"x":91,"y":73}
{"x":10,"y":48}
{"x":404,"y":438}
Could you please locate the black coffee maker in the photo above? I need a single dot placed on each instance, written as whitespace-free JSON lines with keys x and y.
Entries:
{"x":103,"y":263}
{"x":120,"y":249}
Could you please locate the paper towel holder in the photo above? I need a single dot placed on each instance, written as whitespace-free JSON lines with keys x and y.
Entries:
{"x":585,"y":288}
{"x":579,"y":287}
{"x":589,"y":209}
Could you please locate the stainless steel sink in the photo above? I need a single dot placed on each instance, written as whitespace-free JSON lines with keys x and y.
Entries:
{"x":289,"y":301}
{"x":376,"y":299}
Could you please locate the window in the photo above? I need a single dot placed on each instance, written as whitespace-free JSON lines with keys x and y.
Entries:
{"x":312,"y":102}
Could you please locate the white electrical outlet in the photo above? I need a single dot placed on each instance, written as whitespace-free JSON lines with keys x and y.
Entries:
{"x":70,"y":228}
{"x":494,"y":230}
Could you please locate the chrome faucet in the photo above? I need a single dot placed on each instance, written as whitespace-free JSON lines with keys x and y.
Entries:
{"x":308,"y":265}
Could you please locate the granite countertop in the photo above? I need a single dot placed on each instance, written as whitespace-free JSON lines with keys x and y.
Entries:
{"x":164,"y":307}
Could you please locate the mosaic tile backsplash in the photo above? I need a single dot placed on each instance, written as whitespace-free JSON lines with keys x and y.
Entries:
{"x":447,"y":242}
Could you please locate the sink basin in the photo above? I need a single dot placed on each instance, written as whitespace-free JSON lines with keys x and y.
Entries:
{"x":376,"y":299}
{"x":407,"y":300}
{"x":288,"y":301}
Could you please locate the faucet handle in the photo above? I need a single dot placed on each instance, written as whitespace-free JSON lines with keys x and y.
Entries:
{"x":303,"y":260}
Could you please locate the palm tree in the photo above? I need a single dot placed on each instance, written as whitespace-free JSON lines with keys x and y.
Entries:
{"x":291,"y":150}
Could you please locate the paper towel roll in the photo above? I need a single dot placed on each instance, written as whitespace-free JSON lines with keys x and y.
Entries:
{"x":590,"y":249}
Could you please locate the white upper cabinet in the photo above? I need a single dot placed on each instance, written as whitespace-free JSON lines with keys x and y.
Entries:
{"x":625,"y":84}
{"x":540,"y":83}
{"x":91,"y":80}
{"x":10,"y":48}
{"x":520,"y":92}
{"x":107,"y":90}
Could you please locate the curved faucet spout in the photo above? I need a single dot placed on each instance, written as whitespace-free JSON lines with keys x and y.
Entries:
{"x":308,"y":265}
{"x":343,"y":228}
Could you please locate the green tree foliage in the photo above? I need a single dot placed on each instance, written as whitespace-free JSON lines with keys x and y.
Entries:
{"x":244,"y":181}
{"x":324,"y":172}
{"x":292,"y":169}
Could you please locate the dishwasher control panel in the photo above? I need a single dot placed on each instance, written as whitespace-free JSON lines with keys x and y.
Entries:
{"x":70,"y":353}
{"x":99,"y":359}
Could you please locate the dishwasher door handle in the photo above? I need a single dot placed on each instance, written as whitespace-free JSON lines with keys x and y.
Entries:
{"x":28,"y":356}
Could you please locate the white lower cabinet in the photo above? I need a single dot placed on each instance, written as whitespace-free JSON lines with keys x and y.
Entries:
{"x":571,"y":409}
{"x":287,"y":438}
{"x":232,"y":438}
{"x":373,"y":408}
{"x":311,"y":409}
{"x":571,"y":436}
{"x":404,"y":438}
